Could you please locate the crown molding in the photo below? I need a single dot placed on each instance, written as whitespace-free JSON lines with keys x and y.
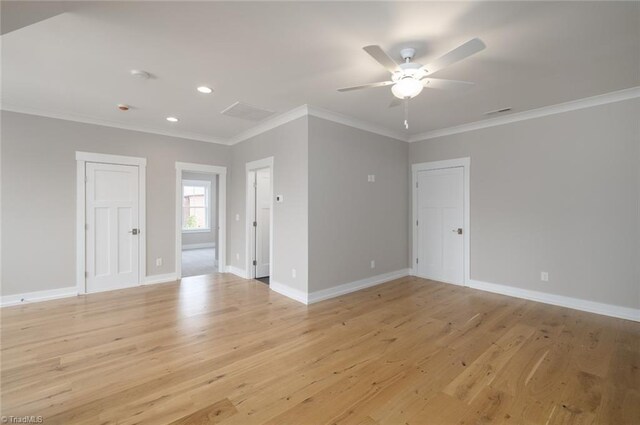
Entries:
{"x":269,"y":124}
{"x":106,"y":123}
{"x":355,"y":123}
{"x":587,"y":102}
{"x":309,"y":110}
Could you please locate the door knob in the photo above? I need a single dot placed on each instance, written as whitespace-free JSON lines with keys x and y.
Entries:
{"x":458,"y":231}
{"x":134,"y":231}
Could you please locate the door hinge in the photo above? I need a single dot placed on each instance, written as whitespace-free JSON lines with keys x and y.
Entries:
{"x":416,"y":261}
{"x":416,"y":185}
{"x":86,"y":226}
{"x":416,"y":222}
{"x":86,"y":179}
{"x":86,"y":274}
{"x":255,"y":224}
{"x":255,"y":263}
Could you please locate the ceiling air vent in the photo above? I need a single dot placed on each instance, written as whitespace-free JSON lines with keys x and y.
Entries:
{"x":498,"y":111}
{"x":247,"y":112}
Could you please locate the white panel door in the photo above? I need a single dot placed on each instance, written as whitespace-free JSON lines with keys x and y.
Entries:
{"x":440,"y":205}
{"x":112,"y":234}
{"x":263,"y":219}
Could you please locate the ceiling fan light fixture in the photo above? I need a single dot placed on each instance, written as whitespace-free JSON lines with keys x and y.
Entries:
{"x":407,"y":87}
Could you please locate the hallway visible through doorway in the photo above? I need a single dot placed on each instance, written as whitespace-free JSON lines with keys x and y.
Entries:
{"x":199,"y":223}
{"x":196,"y":262}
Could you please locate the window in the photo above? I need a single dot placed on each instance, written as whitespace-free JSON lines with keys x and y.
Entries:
{"x":196,"y":205}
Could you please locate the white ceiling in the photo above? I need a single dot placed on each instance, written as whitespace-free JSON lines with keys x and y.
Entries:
{"x":73,"y":59}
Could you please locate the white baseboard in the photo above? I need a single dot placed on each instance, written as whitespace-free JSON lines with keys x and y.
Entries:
{"x":559,"y":300}
{"x":198,"y":246}
{"x":346,"y":288}
{"x":287,"y":291}
{"x":71,"y":291}
{"x":159,"y":278}
{"x":237,"y":271}
{"x":37,"y":296}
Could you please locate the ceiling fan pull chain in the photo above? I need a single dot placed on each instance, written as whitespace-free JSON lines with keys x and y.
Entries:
{"x":406,"y":113}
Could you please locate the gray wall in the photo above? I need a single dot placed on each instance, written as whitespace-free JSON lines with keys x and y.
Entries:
{"x":211,"y":236}
{"x":352,"y":221}
{"x":289,"y":146}
{"x":559,"y":194}
{"x":38,"y":159}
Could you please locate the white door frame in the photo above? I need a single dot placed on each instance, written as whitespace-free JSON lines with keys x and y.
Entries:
{"x":465,"y":163}
{"x":250,"y":271}
{"x":81,"y":159}
{"x":221,"y":246}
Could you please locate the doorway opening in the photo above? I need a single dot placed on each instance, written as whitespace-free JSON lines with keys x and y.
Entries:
{"x":199,"y":223}
{"x":260,"y":220}
{"x":200,"y":219}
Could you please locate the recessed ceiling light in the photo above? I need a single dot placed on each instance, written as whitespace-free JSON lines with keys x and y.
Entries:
{"x":172,"y":119}
{"x":205,"y":89}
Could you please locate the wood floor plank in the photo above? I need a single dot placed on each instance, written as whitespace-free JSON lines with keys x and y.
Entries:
{"x":213,"y":414}
{"x":481,"y":373}
{"x":224,"y":350}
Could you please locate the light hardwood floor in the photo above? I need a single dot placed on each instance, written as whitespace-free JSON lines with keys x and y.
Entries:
{"x":224,"y":350}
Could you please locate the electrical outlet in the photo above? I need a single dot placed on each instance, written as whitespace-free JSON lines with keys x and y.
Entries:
{"x":158,"y":262}
{"x":371,"y":178}
{"x":544,"y":276}
{"x":373,"y":264}
{"x":237,"y":217}
{"x":293,"y":273}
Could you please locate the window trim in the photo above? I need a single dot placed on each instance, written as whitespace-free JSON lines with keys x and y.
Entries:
{"x":207,"y":197}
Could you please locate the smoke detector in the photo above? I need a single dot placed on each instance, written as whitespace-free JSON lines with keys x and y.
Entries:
{"x":143,"y":75}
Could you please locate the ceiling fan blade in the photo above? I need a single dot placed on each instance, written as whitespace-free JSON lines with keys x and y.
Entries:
{"x":395,"y":102}
{"x":438,"y":83}
{"x":383,"y":59}
{"x":463,"y":51}
{"x":367,"y":86}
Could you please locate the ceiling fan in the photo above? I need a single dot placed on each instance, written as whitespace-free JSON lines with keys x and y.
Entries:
{"x":409,"y":78}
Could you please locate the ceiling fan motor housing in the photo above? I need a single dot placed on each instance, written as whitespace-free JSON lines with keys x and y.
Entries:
{"x":407,"y":53}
